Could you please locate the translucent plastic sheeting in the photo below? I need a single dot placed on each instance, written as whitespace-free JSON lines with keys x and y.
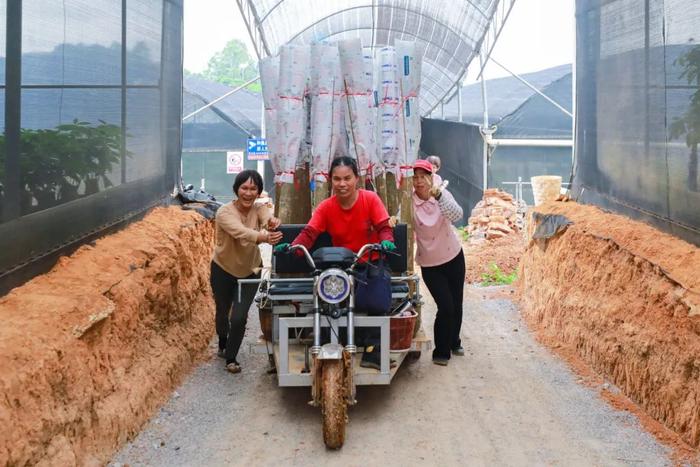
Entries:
{"x":360,"y":101}
{"x":291,"y":123}
{"x":449,"y":32}
{"x":638,"y":110}
{"x":327,"y":114}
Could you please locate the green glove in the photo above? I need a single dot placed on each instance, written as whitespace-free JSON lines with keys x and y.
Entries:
{"x":281,"y":247}
{"x":388,"y":245}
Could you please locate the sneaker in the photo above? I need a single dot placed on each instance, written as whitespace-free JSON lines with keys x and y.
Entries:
{"x":233,"y":367}
{"x":441,"y":361}
{"x":459,"y":351}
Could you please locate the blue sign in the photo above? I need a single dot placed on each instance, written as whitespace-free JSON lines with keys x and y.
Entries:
{"x":257,"y":147}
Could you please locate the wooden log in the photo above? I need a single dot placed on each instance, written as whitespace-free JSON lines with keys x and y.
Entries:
{"x":405,"y":193}
{"x":380,"y":187}
{"x":392,"y":194}
{"x":321,"y":192}
{"x":302,"y":196}
{"x":285,"y":203}
{"x":278,"y":195}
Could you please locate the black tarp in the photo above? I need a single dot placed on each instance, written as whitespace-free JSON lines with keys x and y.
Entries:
{"x":460,"y":147}
{"x":92,"y":97}
{"x":638,"y":110}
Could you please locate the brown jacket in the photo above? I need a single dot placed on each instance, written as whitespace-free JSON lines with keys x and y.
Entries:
{"x":236,"y":249}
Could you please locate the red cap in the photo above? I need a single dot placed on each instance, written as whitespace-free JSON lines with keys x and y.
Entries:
{"x":423,"y":164}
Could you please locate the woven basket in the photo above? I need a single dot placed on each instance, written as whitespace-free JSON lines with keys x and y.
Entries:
{"x":545,"y":188}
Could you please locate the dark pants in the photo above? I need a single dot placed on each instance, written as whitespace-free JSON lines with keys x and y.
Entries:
{"x":446,"y":284}
{"x":231,"y":315}
{"x":371,"y":338}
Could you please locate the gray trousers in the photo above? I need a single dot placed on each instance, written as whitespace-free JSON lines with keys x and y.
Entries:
{"x":231,"y":315}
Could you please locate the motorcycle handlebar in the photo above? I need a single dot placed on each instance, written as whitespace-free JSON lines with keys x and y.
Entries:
{"x":307,"y":255}
{"x":360,"y":253}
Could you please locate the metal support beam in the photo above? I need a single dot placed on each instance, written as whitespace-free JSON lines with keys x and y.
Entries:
{"x":459,"y":102}
{"x":254,"y":27}
{"x":548,"y":143}
{"x":13,"y":111}
{"x":495,"y":28}
{"x":231,"y":92}
{"x":526,"y":83}
{"x":263,"y":133}
{"x":486,"y":130}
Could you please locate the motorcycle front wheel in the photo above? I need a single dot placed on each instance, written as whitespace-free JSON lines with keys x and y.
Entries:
{"x":333,"y":403}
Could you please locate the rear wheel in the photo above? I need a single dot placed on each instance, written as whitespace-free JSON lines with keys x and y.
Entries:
{"x":333,"y":403}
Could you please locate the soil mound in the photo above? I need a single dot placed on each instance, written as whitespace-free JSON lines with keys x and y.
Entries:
{"x":90,"y":349}
{"x":626,"y":297}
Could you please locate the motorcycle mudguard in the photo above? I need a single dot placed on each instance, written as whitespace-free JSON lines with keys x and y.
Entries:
{"x":331,"y":352}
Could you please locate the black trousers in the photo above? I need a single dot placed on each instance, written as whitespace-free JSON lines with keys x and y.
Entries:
{"x":231,"y":315}
{"x":446,"y":284}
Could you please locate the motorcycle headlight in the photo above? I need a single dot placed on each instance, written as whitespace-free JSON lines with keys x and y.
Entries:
{"x":333,"y":286}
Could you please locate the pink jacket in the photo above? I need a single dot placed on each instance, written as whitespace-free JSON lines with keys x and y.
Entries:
{"x":436,"y":240}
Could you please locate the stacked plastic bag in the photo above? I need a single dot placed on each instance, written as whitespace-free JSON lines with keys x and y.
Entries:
{"x":327,"y":100}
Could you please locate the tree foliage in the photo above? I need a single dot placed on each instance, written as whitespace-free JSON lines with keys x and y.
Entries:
{"x":689,"y":123}
{"x":231,"y":66}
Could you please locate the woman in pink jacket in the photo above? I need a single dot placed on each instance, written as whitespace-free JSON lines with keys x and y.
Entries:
{"x":439,"y":254}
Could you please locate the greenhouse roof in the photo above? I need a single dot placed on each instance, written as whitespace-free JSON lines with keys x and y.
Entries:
{"x":450,"y":32}
{"x":242,"y":109}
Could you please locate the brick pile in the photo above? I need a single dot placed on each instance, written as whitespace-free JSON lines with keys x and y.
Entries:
{"x":495,"y":216}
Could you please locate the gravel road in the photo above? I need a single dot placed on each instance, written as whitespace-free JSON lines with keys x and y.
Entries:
{"x":507,"y":402}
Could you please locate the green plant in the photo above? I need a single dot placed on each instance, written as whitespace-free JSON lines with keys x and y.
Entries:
{"x":689,"y":123}
{"x":61,"y":164}
{"x":463,"y":233}
{"x":497,"y":277}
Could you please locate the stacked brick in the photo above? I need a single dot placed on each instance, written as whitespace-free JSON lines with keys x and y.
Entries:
{"x":495,"y":216}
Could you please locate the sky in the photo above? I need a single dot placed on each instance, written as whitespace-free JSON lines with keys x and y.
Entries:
{"x":539,"y":34}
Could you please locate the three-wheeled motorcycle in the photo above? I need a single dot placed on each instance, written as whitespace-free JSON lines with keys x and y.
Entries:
{"x":310,"y":324}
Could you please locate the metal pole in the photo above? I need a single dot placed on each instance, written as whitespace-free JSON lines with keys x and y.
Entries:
{"x":526,"y":83}
{"x":485,"y":127}
{"x":573,"y":92}
{"x":442,"y":110}
{"x":233,"y":91}
{"x":459,"y":102}
{"x":547,"y":143}
{"x":263,"y":132}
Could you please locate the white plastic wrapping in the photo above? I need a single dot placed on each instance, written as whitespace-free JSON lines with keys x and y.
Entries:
{"x":390,"y":120}
{"x":291,"y":118}
{"x":329,"y":100}
{"x":409,"y":56}
{"x":269,"y":78}
{"x":360,"y":101}
{"x":326,"y":89}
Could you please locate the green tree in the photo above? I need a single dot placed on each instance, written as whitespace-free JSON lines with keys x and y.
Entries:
{"x":689,"y":123}
{"x":232,"y":66}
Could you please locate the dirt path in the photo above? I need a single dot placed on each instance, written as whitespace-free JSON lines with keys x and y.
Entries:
{"x":507,"y":402}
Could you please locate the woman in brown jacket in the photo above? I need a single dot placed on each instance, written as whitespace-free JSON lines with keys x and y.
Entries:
{"x":241,"y":226}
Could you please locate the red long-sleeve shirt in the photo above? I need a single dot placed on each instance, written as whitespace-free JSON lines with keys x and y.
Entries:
{"x":367,"y":221}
